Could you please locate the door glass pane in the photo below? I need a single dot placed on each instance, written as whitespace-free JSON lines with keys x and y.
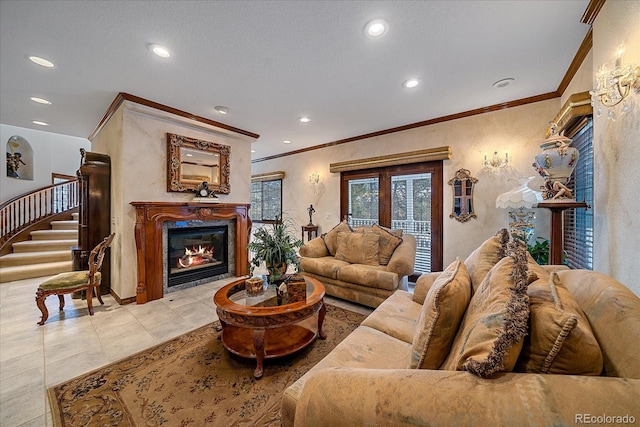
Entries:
{"x":411,"y":212}
{"x":363,"y":201}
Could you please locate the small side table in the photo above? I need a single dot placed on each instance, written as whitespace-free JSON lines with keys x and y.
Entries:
{"x":557,"y":229}
{"x":309,"y":229}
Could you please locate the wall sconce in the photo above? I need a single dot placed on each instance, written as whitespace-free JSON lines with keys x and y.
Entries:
{"x":613,"y":86}
{"x":314,"y":178}
{"x":496,"y":161}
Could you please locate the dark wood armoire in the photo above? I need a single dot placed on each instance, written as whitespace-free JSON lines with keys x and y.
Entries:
{"x":94,"y":182}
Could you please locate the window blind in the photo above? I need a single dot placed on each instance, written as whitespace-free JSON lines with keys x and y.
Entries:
{"x":578,"y":223}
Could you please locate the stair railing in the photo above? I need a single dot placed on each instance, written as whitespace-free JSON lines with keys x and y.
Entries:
{"x":27,"y":209}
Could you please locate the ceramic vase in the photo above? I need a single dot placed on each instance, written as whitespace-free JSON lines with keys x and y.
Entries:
{"x":555,"y":163}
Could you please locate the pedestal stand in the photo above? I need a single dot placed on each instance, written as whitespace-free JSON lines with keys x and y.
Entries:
{"x":557,"y":235}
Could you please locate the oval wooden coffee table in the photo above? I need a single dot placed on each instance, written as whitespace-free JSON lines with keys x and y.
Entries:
{"x":259,"y":328}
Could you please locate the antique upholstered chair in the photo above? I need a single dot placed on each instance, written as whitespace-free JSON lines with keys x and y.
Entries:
{"x":74,"y":281}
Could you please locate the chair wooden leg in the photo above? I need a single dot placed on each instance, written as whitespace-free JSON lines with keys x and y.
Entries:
{"x":98,"y":295}
{"x":40,"y":296}
{"x":61,"y":299}
{"x":90,"y":300}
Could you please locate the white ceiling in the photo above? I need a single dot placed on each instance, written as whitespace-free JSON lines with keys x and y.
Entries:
{"x":271,"y":62}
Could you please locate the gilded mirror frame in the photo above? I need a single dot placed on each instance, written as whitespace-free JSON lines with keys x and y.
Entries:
{"x":462,"y":206}
{"x":177,"y":182}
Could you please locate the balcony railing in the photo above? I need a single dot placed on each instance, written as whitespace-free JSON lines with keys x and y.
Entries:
{"x":28,"y":209}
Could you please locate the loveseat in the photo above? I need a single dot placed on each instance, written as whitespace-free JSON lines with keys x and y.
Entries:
{"x":364,"y":265}
{"x":576,"y":362}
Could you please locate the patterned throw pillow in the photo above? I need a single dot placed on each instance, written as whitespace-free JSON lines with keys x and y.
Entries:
{"x":358,"y":248}
{"x":560,"y":339}
{"x":486,"y":256}
{"x":388,"y":243}
{"x":442,"y":311}
{"x":331,"y":238}
{"x":493,"y":329}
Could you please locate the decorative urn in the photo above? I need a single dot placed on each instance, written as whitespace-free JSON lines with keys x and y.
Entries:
{"x":555,"y":164}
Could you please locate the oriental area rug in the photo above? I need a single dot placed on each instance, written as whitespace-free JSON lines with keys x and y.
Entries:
{"x":191,"y":381}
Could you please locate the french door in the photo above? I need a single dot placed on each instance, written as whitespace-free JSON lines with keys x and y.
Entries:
{"x":407,"y":197}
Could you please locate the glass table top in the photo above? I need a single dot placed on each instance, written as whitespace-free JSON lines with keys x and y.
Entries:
{"x":269,"y":298}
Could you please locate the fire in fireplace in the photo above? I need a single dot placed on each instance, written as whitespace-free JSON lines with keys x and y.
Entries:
{"x":196,"y":253}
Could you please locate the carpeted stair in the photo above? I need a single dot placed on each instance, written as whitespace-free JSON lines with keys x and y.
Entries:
{"x":47,"y":253}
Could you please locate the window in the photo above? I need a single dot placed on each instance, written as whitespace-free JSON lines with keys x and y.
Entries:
{"x":578,"y":223}
{"x":266,"y":200}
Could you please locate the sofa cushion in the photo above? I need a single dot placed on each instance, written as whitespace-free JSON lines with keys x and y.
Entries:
{"x":560,"y":339}
{"x":549,"y":326}
{"x":613,"y":311}
{"x":314,"y":248}
{"x":388,"y":243}
{"x":369,"y":276}
{"x":398,"y":232}
{"x":493,"y":329}
{"x":369,"y":349}
{"x":396,"y":316}
{"x":480,"y":261}
{"x":358,"y":248}
{"x":423,"y":284}
{"x":441,"y":313}
{"x":331,"y":238}
{"x":326,"y":266}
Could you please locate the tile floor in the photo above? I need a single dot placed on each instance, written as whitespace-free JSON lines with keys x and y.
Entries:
{"x":34,"y":358}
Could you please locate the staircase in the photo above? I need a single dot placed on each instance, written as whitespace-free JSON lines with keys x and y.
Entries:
{"x":47,"y":253}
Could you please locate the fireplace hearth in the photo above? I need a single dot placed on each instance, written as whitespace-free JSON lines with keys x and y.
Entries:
{"x":195,"y":253}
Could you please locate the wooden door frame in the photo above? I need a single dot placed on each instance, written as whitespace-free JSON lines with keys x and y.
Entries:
{"x":384,"y":174}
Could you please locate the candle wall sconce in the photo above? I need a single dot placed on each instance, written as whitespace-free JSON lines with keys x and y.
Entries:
{"x":496,"y":161}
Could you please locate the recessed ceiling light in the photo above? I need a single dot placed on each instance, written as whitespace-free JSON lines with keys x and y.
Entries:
{"x":286,"y":141}
{"x":411,"y":83}
{"x":38,"y":122}
{"x":41,"y":61}
{"x":161,"y":51}
{"x":40,"y":100}
{"x":304,"y":119}
{"x":376,"y":28}
{"x":504,"y":82}
{"x":222,"y":110}
{"x":253,"y":151}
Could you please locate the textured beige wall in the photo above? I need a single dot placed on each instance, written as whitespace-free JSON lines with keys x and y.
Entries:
{"x":518,"y":130}
{"x":108,"y":142}
{"x":582,"y":81}
{"x":616,"y":150}
{"x":135,"y":138}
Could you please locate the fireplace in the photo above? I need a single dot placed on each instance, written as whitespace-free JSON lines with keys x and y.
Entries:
{"x":152,"y":222}
{"x":195,"y":253}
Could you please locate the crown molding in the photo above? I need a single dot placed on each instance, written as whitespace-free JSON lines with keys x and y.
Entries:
{"x":122,"y":97}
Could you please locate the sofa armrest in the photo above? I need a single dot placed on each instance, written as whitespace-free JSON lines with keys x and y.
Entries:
{"x":403,"y":397}
{"x":423,"y":284}
{"x":403,"y":259}
{"x":314,"y":248}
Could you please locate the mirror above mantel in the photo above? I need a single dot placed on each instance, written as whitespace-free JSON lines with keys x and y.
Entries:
{"x":190,"y":162}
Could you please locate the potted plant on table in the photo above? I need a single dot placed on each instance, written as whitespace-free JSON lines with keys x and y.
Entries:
{"x":275,"y":245}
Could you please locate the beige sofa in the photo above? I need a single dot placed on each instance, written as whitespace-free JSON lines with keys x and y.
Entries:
{"x":365,"y":265}
{"x":365,"y":380}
